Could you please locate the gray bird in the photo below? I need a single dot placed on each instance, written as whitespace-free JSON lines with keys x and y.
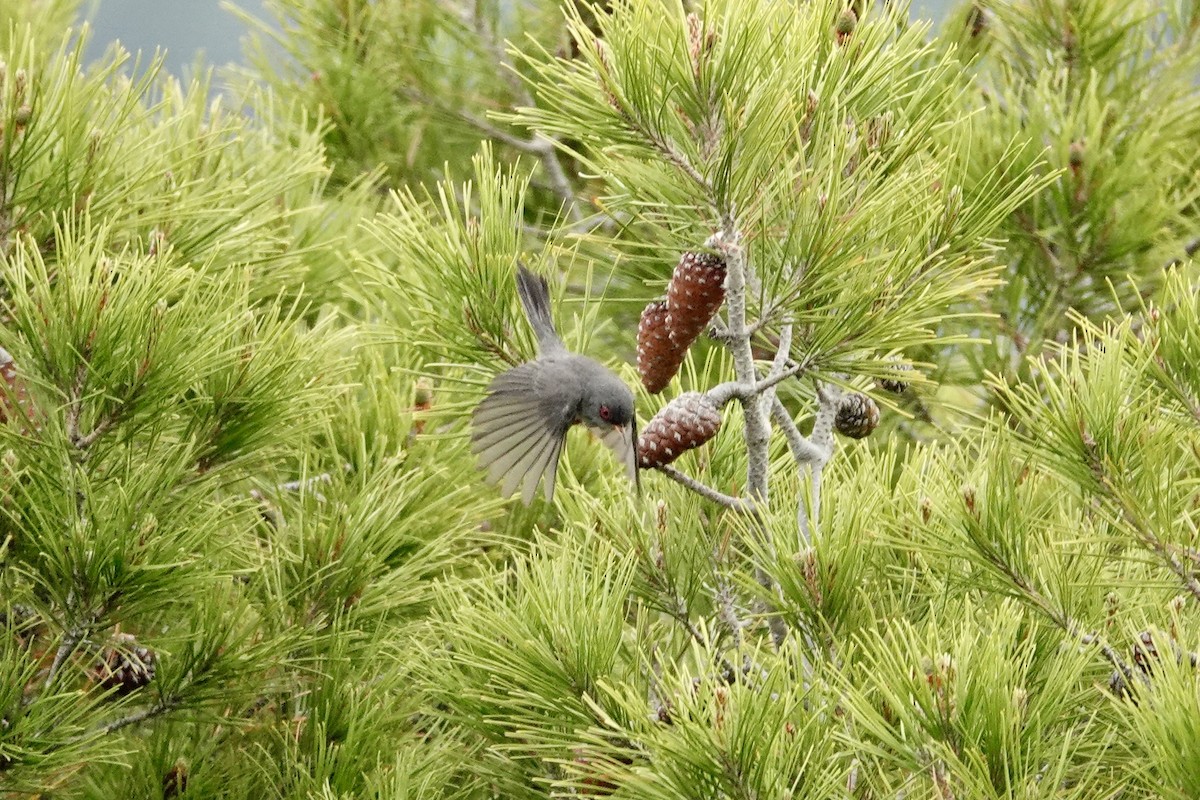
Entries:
{"x":518,"y":429}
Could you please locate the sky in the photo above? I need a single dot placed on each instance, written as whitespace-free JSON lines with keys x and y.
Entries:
{"x":187,"y":28}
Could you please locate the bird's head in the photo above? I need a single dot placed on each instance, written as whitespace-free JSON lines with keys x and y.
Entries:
{"x":607,"y":402}
{"x":607,"y":410}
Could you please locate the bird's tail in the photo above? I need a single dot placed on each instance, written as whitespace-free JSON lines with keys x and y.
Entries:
{"x":535,"y":297}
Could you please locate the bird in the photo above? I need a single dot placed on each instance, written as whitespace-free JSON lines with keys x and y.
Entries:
{"x":519,"y":427}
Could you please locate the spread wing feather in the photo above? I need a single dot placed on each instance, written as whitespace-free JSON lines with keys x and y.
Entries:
{"x":518,"y":429}
{"x":504,"y":433}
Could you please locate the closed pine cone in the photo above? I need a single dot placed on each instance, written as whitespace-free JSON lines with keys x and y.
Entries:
{"x":694,"y":295}
{"x":685,"y":423}
{"x":894,"y":383}
{"x":126,"y":666}
{"x":857,"y":416}
{"x":658,"y":356}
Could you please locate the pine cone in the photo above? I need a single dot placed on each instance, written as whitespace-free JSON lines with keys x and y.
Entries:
{"x":126,"y":666}
{"x":846,"y":23}
{"x":857,"y":416}
{"x":694,"y":295}
{"x":894,"y":385}
{"x":658,"y":356}
{"x":175,"y":782}
{"x":1145,"y":652}
{"x":685,"y":423}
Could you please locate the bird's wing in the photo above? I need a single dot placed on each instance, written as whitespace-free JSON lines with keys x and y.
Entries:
{"x":518,"y":429}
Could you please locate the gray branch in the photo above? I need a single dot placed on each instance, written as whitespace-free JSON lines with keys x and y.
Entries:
{"x":704,"y":490}
{"x":757,"y":430}
{"x":71,"y":640}
{"x":750,"y":391}
{"x":803,"y":449}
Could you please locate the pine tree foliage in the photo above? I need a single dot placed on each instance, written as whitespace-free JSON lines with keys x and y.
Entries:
{"x":407,"y":89}
{"x":1107,"y":92}
{"x":245,"y":550}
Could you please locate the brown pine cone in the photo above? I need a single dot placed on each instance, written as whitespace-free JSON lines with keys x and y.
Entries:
{"x":658,"y":356}
{"x":125,"y":666}
{"x":1145,"y":652}
{"x":857,"y":416}
{"x":685,"y":423}
{"x":894,"y":385}
{"x":175,"y":781}
{"x":694,"y":295}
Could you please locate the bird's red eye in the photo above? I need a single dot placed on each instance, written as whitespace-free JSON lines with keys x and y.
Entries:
{"x":605,"y":413}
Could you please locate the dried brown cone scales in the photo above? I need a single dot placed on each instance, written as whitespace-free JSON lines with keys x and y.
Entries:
{"x":125,"y":666}
{"x":694,"y":295}
{"x":857,"y":416}
{"x":684,"y":424}
{"x":658,"y":356}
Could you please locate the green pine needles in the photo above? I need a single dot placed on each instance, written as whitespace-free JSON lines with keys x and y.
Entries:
{"x":935,"y":532}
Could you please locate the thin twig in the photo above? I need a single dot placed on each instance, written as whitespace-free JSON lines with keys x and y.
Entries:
{"x":779,"y":370}
{"x":813,"y":521}
{"x":548,"y":146}
{"x":803,"y":450}
{"x":71,"y":640}
{"x":722,"y":393}
{"x":102,"y":427}
{"x":723,"y":598}
{"x":1130,"y":514}
{"x":1152,"y":541}
{"x":75,"y":404}
{"x":538,"y":145}
{"x":741,"y":506}
{"x":1059,"y":616}
{"x":159,"y":708}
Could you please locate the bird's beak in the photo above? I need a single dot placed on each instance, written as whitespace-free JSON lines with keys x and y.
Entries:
{"x":622,"y":440}
{"x":633,"y":442}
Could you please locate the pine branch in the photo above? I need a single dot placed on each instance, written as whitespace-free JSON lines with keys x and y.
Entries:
{"x":75,"y":405}
{"x":158,"y":709}
{"x":757,"y":431}
{"x":779,"y":366}
{"x":537,"y":145}
{"x":1145,"y":533}
{"x":1057,"y":615}
{"x":720,"y":333}
{"x":548,"y":152}
{"x":732,"y":503}
{"x":804,"y":451}
{"x":722,"y":393}
{"x":71,"y":639}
